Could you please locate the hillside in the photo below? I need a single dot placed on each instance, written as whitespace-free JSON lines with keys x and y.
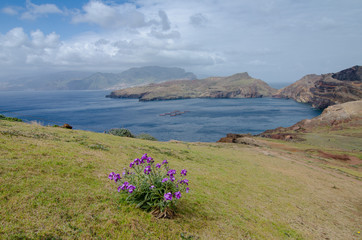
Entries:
{"x":327,"y":89}
{"x":240,"y":85}
{"x":345,"y":116}
{"x":54,"y":185}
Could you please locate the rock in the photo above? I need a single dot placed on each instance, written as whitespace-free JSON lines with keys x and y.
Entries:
{"x":246,"y":139}
{"x":66,"y":125}
{"x":280,"y":136}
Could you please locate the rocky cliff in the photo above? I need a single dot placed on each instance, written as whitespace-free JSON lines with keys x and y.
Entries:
{"x":240,"y":85}
{"x":327,"y":89}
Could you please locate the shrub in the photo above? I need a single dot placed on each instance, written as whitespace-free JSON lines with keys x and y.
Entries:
{"x":122,"y":132}
{"x":146,"y":136}
{"x":11,"y":119}
{"x":152,"y":187}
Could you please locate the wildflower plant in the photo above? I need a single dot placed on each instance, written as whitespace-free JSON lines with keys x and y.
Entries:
{"x":152,"y":186}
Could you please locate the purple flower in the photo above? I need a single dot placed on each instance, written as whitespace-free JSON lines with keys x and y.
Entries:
{"x":137,"y":161}
{"x":119,"y":188}
{"x":152,"y":187}
{"x":149,"y":160}
{"x":178,"y":195}
{"x":116,"y":177}
{"x":183,"y":172}
{"x":172,"y":178}
{"x":147,"y":170}
{"x":187,"y":190}
{"x":131,"y":164}
{"x":165,"y":180}
{"x":171,"y":172}
{"x":164,"y":162}
{"x":111,"y":175}
{"x":158,"y":165}
{"x":144,"y":156}
{"x":168,"y":196}
{"x":131,"y":188}
{"x":124,"y":185}
{"x":185,"y":181}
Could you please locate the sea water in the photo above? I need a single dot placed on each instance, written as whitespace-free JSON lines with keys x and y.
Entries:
{"x":205,"y":120}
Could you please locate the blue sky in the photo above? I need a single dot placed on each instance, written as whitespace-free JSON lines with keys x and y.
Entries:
{"x":274,"y":40}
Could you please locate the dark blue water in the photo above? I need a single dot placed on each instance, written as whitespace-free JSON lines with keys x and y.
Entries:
{"x":207,"y":120}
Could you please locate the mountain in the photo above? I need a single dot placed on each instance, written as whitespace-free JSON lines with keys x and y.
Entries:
{"x":97,"y":81}
{"x":130,"y":77}
{"x":49,"y":81}
{"x":240,"y":85}
{"x":326,"y":89}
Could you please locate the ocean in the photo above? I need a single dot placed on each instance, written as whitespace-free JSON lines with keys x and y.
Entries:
{"x":203,"y":120}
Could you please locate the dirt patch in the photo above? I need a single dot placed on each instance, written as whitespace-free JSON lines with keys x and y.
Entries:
{"x":343,"y":157}
{"x":351,"y":160}
{"x":281,"y":146}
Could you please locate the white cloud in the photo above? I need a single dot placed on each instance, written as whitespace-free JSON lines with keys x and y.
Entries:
{"x":10,"y":10}
{"x":34,"y":11}
{"x":14,"y":38}
{"x":270,"y":39}
{"x":107,"y":16}
{"x":39,"y":40}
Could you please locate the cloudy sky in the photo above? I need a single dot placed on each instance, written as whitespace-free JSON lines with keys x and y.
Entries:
{"x":274,"y":40}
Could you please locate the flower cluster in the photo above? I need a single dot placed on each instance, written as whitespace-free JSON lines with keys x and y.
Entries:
{"x":151,"y":185}
{"x":114,"y":176}
{"x":126,"y":186}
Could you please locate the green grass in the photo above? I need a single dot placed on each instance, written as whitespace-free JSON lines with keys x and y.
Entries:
{"x":54,"y":185}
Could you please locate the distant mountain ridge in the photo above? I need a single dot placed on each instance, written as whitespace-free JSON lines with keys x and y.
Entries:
{"x":98,"y":81}
{"x":130,"y":77}
{"x":327,"y":89}
{"x":239,"y":85}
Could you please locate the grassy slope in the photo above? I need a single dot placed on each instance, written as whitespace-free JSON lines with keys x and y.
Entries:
{"x":53,"y":184}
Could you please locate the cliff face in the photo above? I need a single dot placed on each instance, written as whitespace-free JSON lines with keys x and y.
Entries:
{"x":327,"y":89}
{"x":240,"y":85}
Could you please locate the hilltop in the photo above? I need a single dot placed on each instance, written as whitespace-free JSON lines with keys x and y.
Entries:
{"x":239,"y":85}
{"x":54,"y":185}
{"x":327,"y":89}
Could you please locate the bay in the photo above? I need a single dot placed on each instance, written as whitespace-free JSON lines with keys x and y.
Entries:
{"x":205,"y":120}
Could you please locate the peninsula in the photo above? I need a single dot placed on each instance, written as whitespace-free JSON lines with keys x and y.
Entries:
{"x":326,"y":89}
{"x":239,"y":85}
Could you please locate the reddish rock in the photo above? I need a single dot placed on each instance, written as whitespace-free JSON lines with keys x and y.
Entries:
{"x":66,"y":125}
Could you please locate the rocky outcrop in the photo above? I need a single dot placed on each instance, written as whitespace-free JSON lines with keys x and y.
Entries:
{"x":240,"y":85}
{"x":327,"y":89}
{"x":246,"y":139}
{"x":336,"y":117}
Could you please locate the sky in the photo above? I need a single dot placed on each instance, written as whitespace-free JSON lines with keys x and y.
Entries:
{"x":273,"y":40}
